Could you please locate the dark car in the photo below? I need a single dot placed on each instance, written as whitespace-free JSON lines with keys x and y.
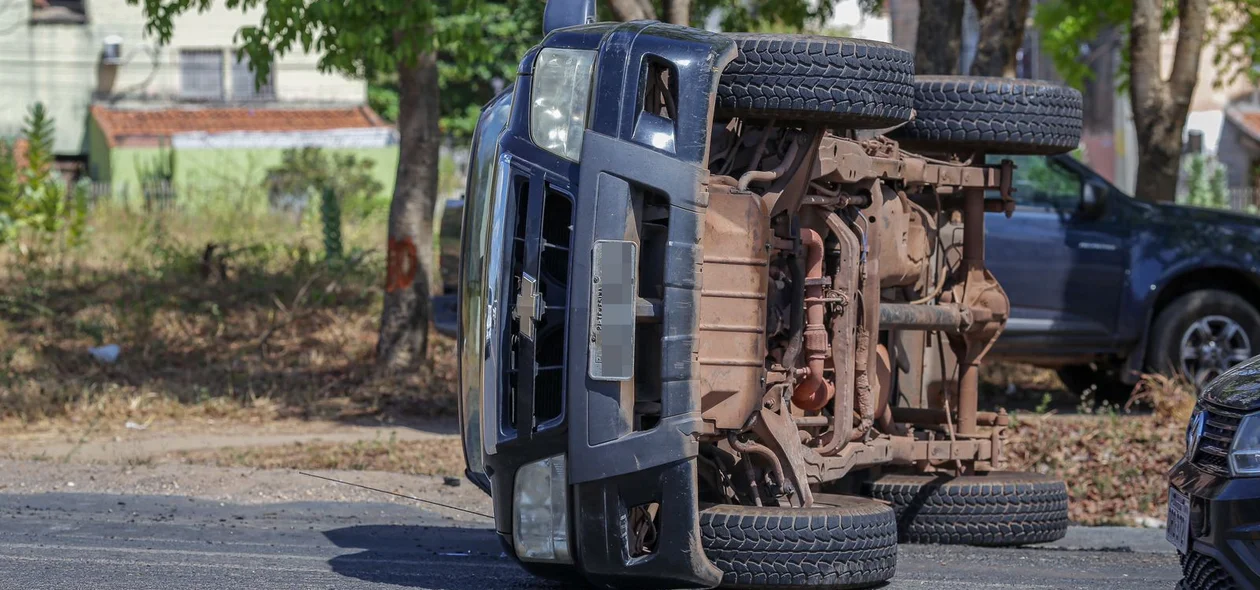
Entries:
{"x":1214,"y":493}
{"x":1104,"y":287}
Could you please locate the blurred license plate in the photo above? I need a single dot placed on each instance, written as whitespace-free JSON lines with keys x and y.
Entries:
{"x":614,"y":265}
{"x":1178,"y":520}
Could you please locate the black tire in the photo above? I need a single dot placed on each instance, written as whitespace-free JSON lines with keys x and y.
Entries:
{"x":957,"y":114}
{"x":852,"y":83}
{"x":1103,"y":383}
{"x":1164,"y":352}
{"x":1000,"y":509}
{"x":850,"y":544}
{"x":1200,"y":572}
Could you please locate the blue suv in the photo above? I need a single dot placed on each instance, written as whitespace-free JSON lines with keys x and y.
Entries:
{"x":1104,"y":287}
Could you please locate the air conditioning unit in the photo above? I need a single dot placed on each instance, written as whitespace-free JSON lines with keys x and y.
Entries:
{"x":111,"y":52}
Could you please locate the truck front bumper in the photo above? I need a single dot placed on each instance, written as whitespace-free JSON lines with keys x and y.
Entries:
{"x":540,"y":396}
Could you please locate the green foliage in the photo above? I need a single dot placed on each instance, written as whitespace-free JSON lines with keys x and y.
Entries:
{"x":1066,"y":26}
{"x":339,"y":182}
{"x":330,"y":214}
{"x":33,"y":198}
{"x":468,"y":74}
{"x":771,"y":15}
{"x":1069,"y":26}
{"x":355,"y":38}
{"x":1237,"y":46}
{"x":383,"y":98}
{"x":1206,"y":183}
{"x":159,"y":168}
{"x":304,"y":172}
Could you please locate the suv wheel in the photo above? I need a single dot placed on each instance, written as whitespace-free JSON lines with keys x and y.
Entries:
{"x":852,"y":83}
{"x":1202,"y":334}
{"x":841,"y":542}
{"x":996,"y":510}
{"x":964,"y":114}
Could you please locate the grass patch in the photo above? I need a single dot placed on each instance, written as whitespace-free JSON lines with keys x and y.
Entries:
{"x":442,"y":456}
{"x":216,"y":314}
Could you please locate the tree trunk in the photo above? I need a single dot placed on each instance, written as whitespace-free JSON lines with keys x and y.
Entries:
{"x":1160,"y":106}
{"x":938,"y":44}
{"x":678,"y":12}
{"x":627,"y":10}
{"x":1001,"y":36}
{"x":404,"y":336}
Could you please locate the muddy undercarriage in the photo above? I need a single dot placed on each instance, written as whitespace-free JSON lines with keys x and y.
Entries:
{"x":820,"y":252}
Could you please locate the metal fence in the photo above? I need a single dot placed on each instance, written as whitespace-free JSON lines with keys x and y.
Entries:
{"x":1244,"y":199}
{"x":152,"y":196}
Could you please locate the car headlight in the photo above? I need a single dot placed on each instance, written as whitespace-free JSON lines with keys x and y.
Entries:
{"x":540,"y":529}
{"x":561,"y":95}
{"x":1244,"y":455}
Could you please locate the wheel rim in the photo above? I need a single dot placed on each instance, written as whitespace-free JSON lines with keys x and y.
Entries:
{"x":1212,"y":345}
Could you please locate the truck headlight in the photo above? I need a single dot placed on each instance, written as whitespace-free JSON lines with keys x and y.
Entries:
{"x":540,"y":530}
{"x":561,"y":95}
{"x":1244,"y":456}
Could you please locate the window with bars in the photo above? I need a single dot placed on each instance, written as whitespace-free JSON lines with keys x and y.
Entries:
{"x":201,"y":74}
{"x":58,"y":12}
{"x":244,"y":83}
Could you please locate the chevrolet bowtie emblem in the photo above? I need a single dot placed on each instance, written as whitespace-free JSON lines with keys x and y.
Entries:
{"x":528,"y":309}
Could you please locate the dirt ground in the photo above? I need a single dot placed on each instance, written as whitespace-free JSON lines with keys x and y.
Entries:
{"x":231,"y":462}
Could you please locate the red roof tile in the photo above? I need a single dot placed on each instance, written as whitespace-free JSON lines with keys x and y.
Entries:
{"x":1250,"y":121}
{"x":119,"y":124}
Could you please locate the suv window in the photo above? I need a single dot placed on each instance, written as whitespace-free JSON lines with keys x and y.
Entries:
{"x":1042,"y":182}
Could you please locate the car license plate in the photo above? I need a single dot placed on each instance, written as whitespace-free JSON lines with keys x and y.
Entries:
{"x":614,"y":266}
{"x":1178,"y":520}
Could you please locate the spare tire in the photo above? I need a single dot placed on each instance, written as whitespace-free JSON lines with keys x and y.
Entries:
{"x":851,"y":83}
{"x":1000,"y":509}
{"x":841,"y":542}
{"x":956,"y":114}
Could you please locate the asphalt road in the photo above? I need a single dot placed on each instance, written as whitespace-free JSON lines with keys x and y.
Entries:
{"x":76,"y":540}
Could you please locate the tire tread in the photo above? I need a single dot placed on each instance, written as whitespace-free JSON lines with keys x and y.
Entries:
{"x":856,"y":83}
{"x":1003,"y":116}
{"x":1007,"y":509}
{"x":853,"y":546}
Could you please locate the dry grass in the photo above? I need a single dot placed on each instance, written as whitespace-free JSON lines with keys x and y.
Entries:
{"x":286,"y":335}
{"x":1116,"y":465}
{"x":267,"y":330}
{"x":443,"y":456}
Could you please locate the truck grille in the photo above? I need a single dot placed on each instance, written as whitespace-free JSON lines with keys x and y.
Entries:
{"x":1212,"y":452}
{"x":534,"y":375}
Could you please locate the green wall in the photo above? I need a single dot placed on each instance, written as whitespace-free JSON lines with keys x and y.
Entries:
{"x":218,"y":173}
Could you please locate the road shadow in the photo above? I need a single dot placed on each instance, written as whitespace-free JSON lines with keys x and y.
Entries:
{"x":433,"y":557}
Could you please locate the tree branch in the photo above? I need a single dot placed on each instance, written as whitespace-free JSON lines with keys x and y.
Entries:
{"x":1192,"y":20}
{"x":678,"y":12}
{"x":1145,"y":84}
{"x":627,"y":10}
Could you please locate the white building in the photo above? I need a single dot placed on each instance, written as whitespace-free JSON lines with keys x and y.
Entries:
{"x":71,"y":54}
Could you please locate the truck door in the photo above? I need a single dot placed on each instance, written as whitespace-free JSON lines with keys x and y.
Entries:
{"x":1062,"y":262}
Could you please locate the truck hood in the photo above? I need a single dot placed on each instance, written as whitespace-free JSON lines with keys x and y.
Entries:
{"x":1238,"y":388}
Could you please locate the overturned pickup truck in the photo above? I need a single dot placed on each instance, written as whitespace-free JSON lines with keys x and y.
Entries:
{"x":723,"y":301}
